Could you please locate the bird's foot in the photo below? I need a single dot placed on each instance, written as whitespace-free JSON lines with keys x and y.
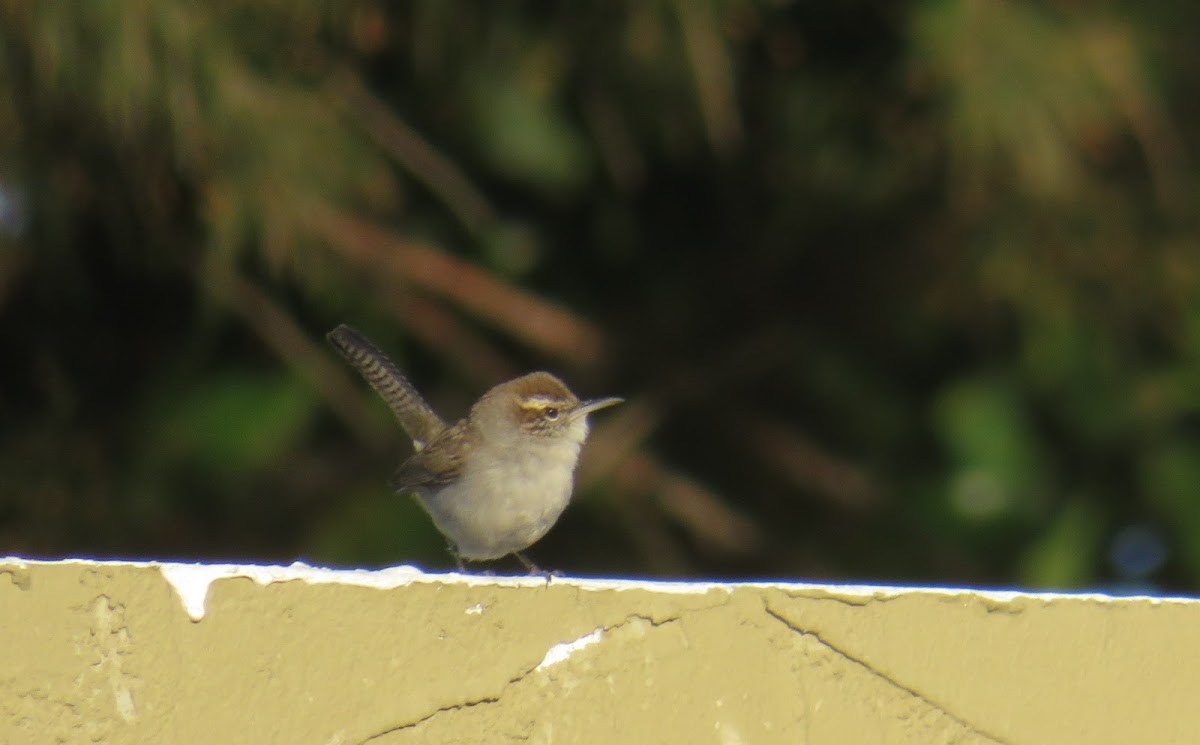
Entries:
{"x":534,"y":570}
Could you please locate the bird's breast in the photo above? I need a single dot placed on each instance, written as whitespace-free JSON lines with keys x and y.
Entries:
{"x":506,"y":499}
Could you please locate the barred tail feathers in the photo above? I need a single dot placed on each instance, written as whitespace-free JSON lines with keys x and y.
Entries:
{"x":416,"y":417}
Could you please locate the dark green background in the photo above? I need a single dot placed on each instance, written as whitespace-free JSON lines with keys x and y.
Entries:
{"x":903,"y":291}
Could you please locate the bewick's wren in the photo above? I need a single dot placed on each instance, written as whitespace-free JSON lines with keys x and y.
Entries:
{"x":497,"y":481}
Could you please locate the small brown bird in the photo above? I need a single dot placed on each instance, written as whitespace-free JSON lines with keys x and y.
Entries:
{"x":498,"y":480}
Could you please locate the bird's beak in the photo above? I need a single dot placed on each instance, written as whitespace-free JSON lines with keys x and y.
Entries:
{"x":587,"y":407}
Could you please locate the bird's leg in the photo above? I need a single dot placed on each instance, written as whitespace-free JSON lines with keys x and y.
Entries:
{"x":458,"y":562}
{"x":533,"y":568}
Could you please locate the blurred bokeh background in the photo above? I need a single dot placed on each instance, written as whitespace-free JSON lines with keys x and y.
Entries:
{"x":897,"y":291}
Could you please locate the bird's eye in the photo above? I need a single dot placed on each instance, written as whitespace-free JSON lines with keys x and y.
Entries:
{"x":551,"y":413}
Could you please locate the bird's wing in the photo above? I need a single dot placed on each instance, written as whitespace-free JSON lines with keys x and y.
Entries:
{"x":440,"y":462}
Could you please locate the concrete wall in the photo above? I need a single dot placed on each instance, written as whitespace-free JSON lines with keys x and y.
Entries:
{"x":145,"y":653}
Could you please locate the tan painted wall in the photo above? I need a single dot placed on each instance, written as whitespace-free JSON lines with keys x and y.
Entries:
{"x":107,"y":653}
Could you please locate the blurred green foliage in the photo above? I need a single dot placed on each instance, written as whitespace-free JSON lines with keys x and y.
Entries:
{"x":897,"y":291}
{"x":232,"y":423}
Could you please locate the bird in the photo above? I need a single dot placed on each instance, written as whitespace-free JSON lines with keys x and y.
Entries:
{"x":496,"y":481}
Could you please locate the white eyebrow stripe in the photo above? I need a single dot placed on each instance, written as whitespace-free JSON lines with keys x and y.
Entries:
{"x":542,"y":401}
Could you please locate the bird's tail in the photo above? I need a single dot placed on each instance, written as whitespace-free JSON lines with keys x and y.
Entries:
{"x":416,"y":417}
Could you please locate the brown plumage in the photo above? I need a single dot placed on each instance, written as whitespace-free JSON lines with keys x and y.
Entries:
{"x":497,"y":480}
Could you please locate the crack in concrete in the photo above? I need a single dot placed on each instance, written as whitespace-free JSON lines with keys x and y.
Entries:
{"x":783,"y":619}
{"x":856,"y":601}
{"x":603,"y":630}
{"x":442,"y":710}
